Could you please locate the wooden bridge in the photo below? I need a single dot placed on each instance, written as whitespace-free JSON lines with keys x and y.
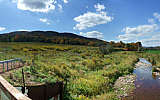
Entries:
{"x":7,"y":91}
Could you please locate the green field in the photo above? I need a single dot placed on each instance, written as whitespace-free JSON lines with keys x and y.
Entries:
{"x":153,"y":51}
{"x":90,"y":74}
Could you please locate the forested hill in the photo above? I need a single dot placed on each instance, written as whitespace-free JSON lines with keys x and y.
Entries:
{"x":49,"y":37}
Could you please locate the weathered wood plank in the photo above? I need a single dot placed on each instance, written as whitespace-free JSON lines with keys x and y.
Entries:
{"x":13,"y":92}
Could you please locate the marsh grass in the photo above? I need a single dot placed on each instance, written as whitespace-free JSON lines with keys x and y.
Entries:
{"x":90,"y":74}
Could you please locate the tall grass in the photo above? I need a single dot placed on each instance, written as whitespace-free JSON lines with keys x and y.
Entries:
{"x":89,"y":73}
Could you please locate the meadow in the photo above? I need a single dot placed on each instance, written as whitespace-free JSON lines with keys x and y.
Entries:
{"x":88,"y":73}
{"x":153,"y":51}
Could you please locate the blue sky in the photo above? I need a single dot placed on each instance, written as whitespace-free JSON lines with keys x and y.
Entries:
{"x":117,"y":20}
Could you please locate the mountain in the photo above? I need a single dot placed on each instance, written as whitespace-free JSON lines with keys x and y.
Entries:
{"x":49,"y":37}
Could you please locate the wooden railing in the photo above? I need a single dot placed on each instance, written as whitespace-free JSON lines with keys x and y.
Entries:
{"x":8,"y":65}
{"x":7,"y":91}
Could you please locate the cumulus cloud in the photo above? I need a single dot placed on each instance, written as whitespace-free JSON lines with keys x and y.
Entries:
{"x":152,"y":41}
{"x":157,"y":16}
{"x":137,"y":33}
{"x":65,"y":1}
{"x":91,"y":19}
{"x":44,"y":20}
{"x":140,"y":29}
{"x":148,"y":34}
{"x":36,"y":5}
{"x":2,"y":28}
{"x":151,"y":21}
{"x":99,"y":7}
{"x":93,"y":34}
{"x":60,"y":7}
{"x":127,"y":37}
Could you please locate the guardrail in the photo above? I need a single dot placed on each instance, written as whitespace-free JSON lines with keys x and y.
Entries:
{"x":8,"y":92}
{"x":8,"y":65}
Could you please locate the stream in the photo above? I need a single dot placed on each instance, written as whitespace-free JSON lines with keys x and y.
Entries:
{"x":147,"y":85}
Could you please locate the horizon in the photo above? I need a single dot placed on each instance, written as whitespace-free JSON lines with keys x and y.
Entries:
{"x":109,"y":20}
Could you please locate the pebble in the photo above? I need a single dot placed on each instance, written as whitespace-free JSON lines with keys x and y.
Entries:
{"x":138,"y":86}
{"x":123,"y":84}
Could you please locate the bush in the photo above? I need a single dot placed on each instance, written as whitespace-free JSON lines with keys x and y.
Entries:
{"x":90,"y":86}
{"x":93,"y":64}
{"x":106,"y":49}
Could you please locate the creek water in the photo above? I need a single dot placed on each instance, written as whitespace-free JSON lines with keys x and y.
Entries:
{"x":147,"y":85}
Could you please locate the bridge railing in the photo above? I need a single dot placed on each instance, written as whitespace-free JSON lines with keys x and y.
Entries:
{"x":7,"y":65}
{"x":8,"y":92}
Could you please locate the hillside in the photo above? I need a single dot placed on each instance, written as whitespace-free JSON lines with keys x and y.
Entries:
{"x":49,"y":37}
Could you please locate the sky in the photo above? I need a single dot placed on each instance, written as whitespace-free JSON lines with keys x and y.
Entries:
{"x":110,"y":20}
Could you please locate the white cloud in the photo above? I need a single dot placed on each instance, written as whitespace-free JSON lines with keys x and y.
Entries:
{"x":99,"y":7}
{"x":60,"y":7}
{"x":65,"y":1}
{"x":14,"y":1}
{"x":148,"y":34}
{"x":152,"y":41}
{"x":127,"y":37}
{"x":151,"y":21}
{"x":87,"y":7}
{"x":137,"y":33}
{"x":140,"y":29}
{"x":44,"y":20}
{"x":93,"y":34}
{"x":157,"y":16}
{"x":2,"y":28}
{"x":143,"y":33}
{"x":91,"y":19}
{"x":36,"y":5}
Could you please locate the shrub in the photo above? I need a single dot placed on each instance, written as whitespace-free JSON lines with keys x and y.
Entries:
{"x":106,"y":49}
{"x":90,"y":86}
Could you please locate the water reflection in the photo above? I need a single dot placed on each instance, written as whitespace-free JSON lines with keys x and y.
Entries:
{"x":147,"y":84}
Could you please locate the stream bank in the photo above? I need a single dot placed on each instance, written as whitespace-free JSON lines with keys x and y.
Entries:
{"x":147,"y":85}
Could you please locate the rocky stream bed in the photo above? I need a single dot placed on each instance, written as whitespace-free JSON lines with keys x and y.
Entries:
{"x":141,"y":85}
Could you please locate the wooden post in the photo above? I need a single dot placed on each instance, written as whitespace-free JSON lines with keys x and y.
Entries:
{"x":62,"y":90}
{"x":11,"y":64}
{"x":56,"y":97}
{"x":14,"y":64}
{"x":23,"y":88}
{"x":7,"y":65}
{"x":19,"y":63}
{"x":3,"y":67}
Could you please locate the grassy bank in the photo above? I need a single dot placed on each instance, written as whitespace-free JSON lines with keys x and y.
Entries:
{"x":153,"y":56}
{"x":89,"y":73}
